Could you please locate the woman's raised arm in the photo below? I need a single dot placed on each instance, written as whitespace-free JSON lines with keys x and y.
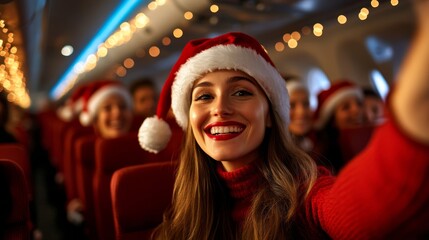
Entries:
{"x":410,"y":99}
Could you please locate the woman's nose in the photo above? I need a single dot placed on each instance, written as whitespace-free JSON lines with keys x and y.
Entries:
{"x":222,"y":107}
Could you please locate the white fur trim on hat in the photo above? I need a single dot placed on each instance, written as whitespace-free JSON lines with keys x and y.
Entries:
{"x":330,"y":104}
{"x":231,"y":57}
{"x":154,"y":134}
{"x":94,"y":101}
{"x":65,"y":113}
{"x":85,"y":119}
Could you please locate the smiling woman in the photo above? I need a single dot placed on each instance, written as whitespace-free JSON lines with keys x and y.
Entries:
{"x":228,"y":116}
{"x":240,"y":176}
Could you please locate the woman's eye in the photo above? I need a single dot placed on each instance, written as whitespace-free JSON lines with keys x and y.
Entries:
{"x":242,"y":93}
{"x":203,"y":97}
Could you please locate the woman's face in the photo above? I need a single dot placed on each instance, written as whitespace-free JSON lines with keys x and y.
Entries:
{"x":228,"y":115}
{"x":349,"y":113}
{"x":113,"y":117}
{"x":300,"y":113}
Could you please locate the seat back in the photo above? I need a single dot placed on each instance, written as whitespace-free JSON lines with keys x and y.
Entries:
{"x":354,"y":140}
{"x":74,"y":132}
{"x":140,"y":195}
{"x":18,"y":153}
{"x":85,"y":168}
{"x":14,"y":202}
{"x":111,"y":155}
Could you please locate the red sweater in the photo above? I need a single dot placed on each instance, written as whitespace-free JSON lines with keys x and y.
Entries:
{"x":382,"y":194}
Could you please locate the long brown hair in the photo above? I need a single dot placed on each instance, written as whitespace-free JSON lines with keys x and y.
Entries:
{"x":201,"y":204}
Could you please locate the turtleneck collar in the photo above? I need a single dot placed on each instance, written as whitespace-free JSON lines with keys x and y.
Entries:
{"x":242,"y":184}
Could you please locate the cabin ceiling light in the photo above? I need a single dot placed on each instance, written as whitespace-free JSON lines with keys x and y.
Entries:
{"x":67,"y":50}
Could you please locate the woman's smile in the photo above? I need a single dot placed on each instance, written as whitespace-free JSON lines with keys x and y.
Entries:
{"x":224,"y":130}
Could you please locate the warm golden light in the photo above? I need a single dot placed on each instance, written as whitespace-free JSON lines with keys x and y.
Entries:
{"x":317,"y":33}
{"x":141,"y":20}
{"x":362,"y":16}
{"x":177,"y":33}
{"x":166,"y":41}
{"x":279,"y":46}
{"x":318,"y":29}
{"x":125,"y":26}
{"x":374,"y":3}
{"x":154,"y":51}
{"x":287,"y":37}
{"x":394,"y":2}
{"x":318,"y":26}
{"x":13,"y":50}
{"x":296,"y":35}
{"x":292,"y":43}
{"x":342,"y":19}
{"x":160,"y":2}
{"x":102,"y":51}
{"x":188,"y":15}
{"x":121,"y":71}
{"x":364,"y":11}
{"x":214,"y":8}
{"x":152,"y":6}
{"x":129,"y":63}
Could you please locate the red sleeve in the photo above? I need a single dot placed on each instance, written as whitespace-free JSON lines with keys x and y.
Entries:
{"x":382,"y":194}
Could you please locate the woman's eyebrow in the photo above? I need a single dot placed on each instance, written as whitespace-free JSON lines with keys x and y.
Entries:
{"x":203,"y":84}
{"x":241,"y":78}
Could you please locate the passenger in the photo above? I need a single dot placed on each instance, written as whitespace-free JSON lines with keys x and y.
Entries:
{"x":373,"y":107}
{"x":339,"y":108}
{"x":108,"y":107}
{"x":144,"y":96}
{"x":301,"y":115}
{"x":5,"y":135}
{"x":73,"y":105}
{"x":241,"y":177}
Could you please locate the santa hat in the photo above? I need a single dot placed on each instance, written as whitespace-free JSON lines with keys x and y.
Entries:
{"x":73,"y":105}
{"x":295,"y":85}
{"x":328,"y":99}
{"x":96,"y":92}
{"x":233,"y":51}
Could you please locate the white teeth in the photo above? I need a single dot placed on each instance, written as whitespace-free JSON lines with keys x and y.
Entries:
{"x":225,"y":129}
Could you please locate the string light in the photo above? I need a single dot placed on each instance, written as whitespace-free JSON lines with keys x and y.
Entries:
{"x":166,"y":41}
{"x":214,"y":8}
{"x":279,"y":46}
{"x":342,"y":19}
{"x":318,"y":27}
{"x":177,"y":33}
{"x":188,"y":15}
{"x":129,"y":63}
{"x":374,"y":3}
{"x":12,"y":79}
{"x":292,"y":43}
{"x":154,"y":51}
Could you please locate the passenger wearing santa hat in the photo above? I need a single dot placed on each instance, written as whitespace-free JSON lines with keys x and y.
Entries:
{"x":107,"y":105}
{"x":241,"y":177}
{"x":73,"y":105}
{"x":301,"y":114}
{"x":339,"y":107}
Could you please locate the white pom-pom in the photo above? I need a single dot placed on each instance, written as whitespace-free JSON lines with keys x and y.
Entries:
{"x":65,"y":113}
{"x":154,"y":134}
{"x":85,"y":118}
